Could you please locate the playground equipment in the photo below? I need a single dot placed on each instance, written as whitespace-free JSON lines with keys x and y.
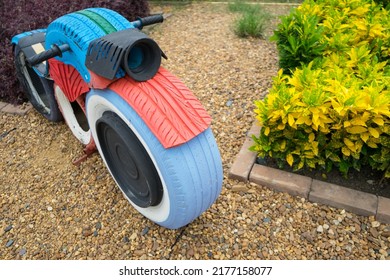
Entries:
{"x":102,"y":75}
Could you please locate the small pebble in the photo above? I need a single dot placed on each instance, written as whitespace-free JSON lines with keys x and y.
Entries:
{"x":375,"y":224}
{"x":239,"y":188}
{"x":320,"y":229}
{"x":325,"y":226}
{"x":98,"y":225}
{"x":267,"y":220}
{"x":145,"y":231}
{"x":8,"y":228}
{"x":133,"y":236}
{"x":9,"y":243}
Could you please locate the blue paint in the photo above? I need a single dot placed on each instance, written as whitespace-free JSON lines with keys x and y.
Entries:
{"x":16,"y":38}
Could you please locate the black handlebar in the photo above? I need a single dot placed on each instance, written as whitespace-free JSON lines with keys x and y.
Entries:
{"x":54,"y":51}
{"x":141,"y":22}
{"x":151,"y":19}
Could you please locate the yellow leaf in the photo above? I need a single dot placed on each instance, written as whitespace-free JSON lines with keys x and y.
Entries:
{"x":356,"y":129}
{"x":349,"y":144}
{"x":290,"y":159}
{"x":374,"y":132}
{"x":347,"y":124}
{"x":360,"y":11}
{"x":311,"y":137}
{"x":346,"y":151}
{"x":316,"y":121}
{"x":365,"y":136}
{"x":281,"y":126}
{"x":372,"y":144}
{"x":337,"y":126}
{"x":378,"y":121}
{"x":291,"y":120}
{"x":315,"y":147}
{"x":266,"y":131}
{"x":283,"y":145}
{"x":358,"y":121}
{"x":302,"y":120}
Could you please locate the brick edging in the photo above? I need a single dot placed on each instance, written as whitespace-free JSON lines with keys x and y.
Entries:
{"x":246,"y":169}
{"x":12,"y":109}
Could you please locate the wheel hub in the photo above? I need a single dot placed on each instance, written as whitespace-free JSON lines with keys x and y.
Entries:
{"x":128,"y":161}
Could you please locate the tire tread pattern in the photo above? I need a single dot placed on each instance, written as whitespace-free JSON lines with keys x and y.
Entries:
{"x":168,"y":107}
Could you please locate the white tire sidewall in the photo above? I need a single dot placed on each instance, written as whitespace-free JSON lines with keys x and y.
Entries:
{"x":67,"y":111}
{"x":96,"y":105}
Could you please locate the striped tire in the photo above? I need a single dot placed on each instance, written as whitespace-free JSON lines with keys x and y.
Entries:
{"x":186,"y":179}
{"x":78,"y":29}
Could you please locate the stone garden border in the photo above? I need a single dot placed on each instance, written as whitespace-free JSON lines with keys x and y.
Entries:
{"x":245,"y":169}
{"x":12,"y":109}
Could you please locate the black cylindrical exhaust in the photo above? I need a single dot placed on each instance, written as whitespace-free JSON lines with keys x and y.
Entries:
{"x":130,"y":49}
{"x":142,"y":58}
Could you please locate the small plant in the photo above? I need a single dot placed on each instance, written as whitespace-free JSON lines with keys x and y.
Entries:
{"x":250,"y":25}
{"x":253,"y":19}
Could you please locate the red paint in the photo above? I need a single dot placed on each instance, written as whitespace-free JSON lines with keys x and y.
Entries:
{"x":99,"y":82}
{"x":167,"y":106}
{"x":68,"y":79}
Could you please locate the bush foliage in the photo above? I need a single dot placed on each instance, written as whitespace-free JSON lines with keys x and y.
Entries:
{"x":329,"y":105}
{"x":18,"y":16}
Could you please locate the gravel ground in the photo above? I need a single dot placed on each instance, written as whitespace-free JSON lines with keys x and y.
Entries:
{"x":51,"y":209}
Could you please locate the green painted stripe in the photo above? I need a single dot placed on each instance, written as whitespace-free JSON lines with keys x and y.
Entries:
{"x":104,"y":24}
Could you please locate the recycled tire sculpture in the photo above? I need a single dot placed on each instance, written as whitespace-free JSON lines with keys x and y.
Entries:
{"x":152,"y":133}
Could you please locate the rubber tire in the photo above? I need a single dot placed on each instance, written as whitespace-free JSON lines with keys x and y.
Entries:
{"x":84,"y":136}
{"x":78,"y":30}
{"x":39,"y":91}
{"x":191,"y":174}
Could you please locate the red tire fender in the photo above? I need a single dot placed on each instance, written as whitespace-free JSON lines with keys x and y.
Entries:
{"x":167,"y":106}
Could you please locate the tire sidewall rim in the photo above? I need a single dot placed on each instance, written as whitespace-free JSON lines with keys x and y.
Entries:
{"x":33,"y":90}
{"x":67,"y":111}
{"x":96,"y":105}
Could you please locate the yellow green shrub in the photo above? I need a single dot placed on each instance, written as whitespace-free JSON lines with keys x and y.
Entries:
{"x":320,"y":27}
{"x":335,"y":110}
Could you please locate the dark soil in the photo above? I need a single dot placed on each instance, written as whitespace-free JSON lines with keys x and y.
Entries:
{"x":366,"y":180}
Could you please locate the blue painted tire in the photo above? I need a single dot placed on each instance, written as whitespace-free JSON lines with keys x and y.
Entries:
{"x":191,"y":174}
{"x":78,"y":30}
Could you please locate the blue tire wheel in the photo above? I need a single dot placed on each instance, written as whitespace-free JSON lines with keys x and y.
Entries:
{"x":171,"y":187}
